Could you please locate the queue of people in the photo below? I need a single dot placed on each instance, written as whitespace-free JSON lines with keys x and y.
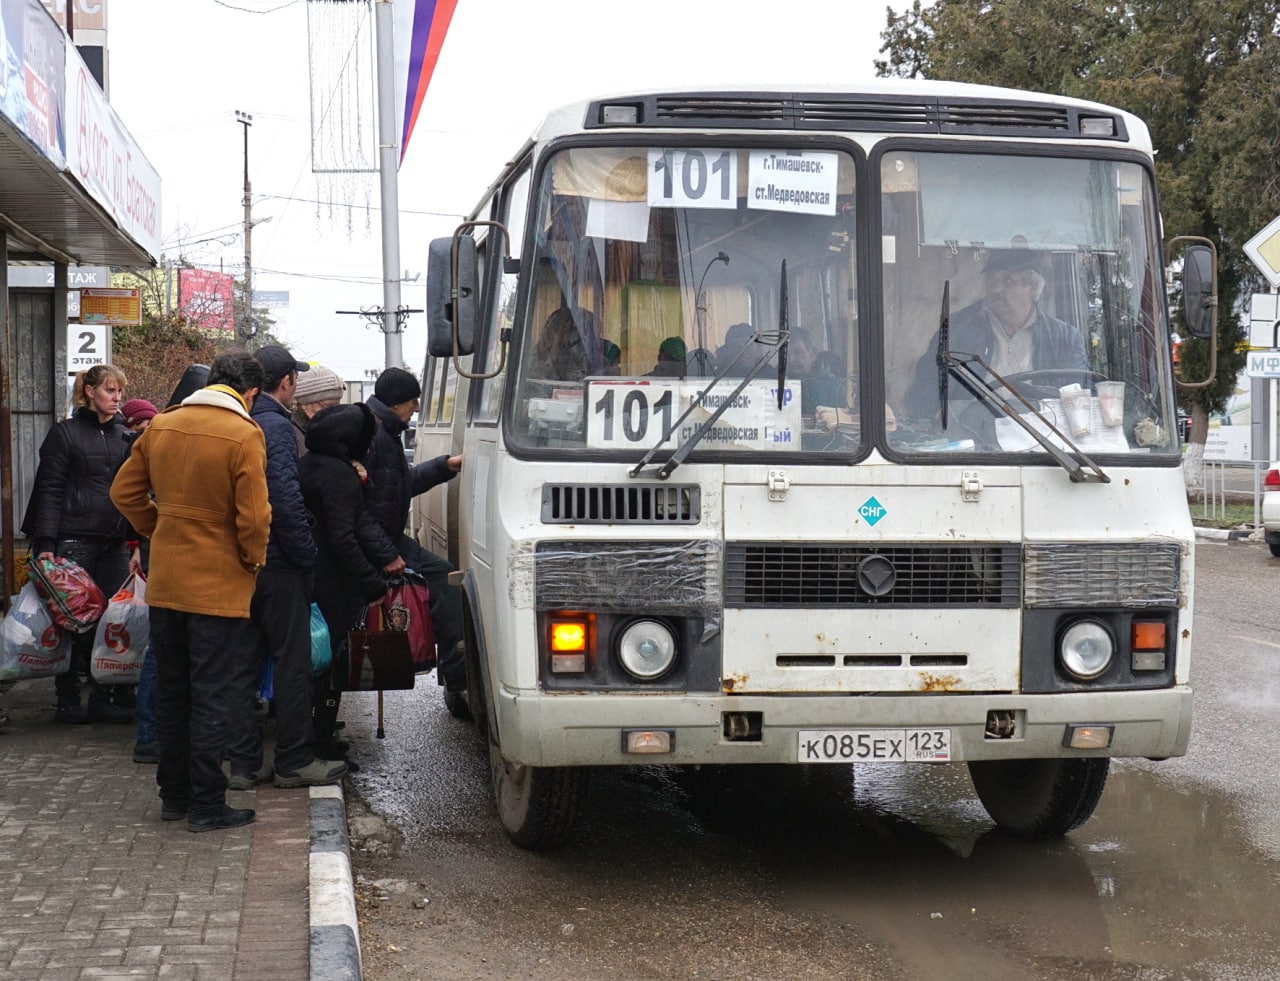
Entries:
{"x":253,"y":495}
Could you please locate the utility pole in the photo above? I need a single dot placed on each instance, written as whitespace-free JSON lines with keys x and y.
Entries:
{"x":388,"y":162}
{"x":248,"y":327}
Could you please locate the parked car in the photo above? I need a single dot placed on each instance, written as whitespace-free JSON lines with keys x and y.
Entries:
{"x":1271,"y":508}
{"x":1184,"y":425}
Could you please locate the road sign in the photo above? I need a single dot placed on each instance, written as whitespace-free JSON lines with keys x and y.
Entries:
{"x":1263,"y":364}
{"x":1264,"y":250}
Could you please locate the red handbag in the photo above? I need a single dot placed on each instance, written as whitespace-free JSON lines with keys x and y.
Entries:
{"x":406,"y":608}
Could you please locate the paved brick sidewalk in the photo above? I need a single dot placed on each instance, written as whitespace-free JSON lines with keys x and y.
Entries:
{"x":94,"y":885}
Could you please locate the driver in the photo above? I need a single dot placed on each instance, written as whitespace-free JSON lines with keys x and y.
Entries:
{"x":1007,"y":328}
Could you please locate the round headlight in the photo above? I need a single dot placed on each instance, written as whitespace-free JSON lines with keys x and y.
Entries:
{"x":647,"y":649}
{"x":1086,"y":649}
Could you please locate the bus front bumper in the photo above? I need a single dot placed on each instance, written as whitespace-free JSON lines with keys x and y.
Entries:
{"x":574,"y":729}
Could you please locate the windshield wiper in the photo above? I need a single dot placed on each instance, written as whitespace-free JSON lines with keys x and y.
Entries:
{"x":944,"y":346}
{"x":784,"y":333}
{"x":959,"y":363}
{"x":777,"y":344}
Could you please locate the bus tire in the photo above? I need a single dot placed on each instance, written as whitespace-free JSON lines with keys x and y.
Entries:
{"x":476,"y":693}
{"x":1040,"y":798}
{"x":538,"y":805}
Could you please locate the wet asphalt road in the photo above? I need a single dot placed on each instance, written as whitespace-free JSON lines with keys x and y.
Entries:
{"x":874,"y":872}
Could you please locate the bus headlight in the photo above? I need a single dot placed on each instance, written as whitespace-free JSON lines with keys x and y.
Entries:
{"x":1086,"y":649}
{"x":647,"y":649}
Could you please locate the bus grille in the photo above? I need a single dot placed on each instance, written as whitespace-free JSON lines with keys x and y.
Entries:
{"x":836,"y":575}
{"x":610,"y":504}
{"x":894,"y":114}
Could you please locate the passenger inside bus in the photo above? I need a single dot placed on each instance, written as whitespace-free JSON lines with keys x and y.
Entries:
{"x":1007,"y":328}
{"x":611,"y":358}
{"x":735,"y":339}
{"x":560,"y":352}
{"x":671,"y":359}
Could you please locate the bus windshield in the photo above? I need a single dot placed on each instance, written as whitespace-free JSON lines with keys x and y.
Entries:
{"x":656,"y":270}
{"x":1053,"y":296}
{"x":654,"y":267}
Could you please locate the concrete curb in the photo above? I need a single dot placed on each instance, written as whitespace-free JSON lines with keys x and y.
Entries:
{"x":1223,"y":534}
{"x":335,"y":932}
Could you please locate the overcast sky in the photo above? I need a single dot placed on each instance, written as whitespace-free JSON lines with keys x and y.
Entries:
{"x":180,"y":70}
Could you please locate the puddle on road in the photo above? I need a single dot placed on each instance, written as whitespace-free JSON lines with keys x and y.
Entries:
{"x":1164,"y":882}
{"x":1161,"y":878}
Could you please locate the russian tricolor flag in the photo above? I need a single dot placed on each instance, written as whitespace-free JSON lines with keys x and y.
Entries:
{"x":420,"y":27}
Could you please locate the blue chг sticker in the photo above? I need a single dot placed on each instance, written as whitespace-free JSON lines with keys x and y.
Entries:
{"x":872,"y":510}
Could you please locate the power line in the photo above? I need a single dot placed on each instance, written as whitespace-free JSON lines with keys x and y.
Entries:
{"x":369,"y":281}
{"x":371,"y":207}
{"x":247,"y":10}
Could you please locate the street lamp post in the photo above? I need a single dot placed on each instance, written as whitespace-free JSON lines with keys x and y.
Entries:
{"x":247,"y":326}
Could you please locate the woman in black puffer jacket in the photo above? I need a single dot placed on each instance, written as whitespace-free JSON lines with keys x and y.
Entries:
{"x":70,"y":514}
{"x":345,"y":577}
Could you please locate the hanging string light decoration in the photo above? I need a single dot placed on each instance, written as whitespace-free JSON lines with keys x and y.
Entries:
{"x":344,"y":120}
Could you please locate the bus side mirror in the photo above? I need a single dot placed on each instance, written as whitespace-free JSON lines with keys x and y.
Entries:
{"x":452,"y":296}
{"x":1199,"y":291}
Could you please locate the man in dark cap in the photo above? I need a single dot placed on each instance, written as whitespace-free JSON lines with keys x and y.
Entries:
{"x":1008,"y":328}
{"x":280,"y":612}
{"x":392,"y":486}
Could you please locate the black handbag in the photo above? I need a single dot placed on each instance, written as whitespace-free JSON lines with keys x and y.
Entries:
{"x":377,"y":658}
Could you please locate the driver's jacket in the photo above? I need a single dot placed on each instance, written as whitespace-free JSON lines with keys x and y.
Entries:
{"x":1055,"y":344}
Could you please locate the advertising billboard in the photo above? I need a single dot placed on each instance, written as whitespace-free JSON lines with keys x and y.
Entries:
{"x":206,"y":298}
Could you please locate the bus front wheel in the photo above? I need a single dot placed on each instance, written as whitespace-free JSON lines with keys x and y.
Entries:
{"x":538,"y":805}
{"x":1039,"y":798}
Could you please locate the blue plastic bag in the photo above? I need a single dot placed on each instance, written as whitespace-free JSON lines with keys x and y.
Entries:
{"x":321,"y":652}
{"x":266,"y":681}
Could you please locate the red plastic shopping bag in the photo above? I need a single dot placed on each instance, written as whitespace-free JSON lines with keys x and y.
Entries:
{"x":123,"y":634}
{"x":72,"y":597}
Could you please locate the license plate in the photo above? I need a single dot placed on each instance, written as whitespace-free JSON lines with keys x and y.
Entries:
{"x":874,"y":746}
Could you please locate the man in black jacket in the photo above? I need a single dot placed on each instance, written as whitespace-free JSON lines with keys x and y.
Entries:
{"x":392,"y":486}
{"x":280,"y":613}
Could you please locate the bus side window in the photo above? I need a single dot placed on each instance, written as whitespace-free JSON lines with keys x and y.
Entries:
{"x":511,"y":212}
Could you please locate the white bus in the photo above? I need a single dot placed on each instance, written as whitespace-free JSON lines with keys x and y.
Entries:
{"x":817,"y":427}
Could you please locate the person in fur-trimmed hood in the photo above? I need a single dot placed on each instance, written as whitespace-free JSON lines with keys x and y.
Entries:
{"x":195,"y":483}
{"x":333,"y":487}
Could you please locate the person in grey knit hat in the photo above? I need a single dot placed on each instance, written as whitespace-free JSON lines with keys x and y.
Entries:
{"x":318,"y":389}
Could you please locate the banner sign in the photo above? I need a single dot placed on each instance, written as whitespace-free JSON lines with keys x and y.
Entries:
{"x":89,"y":15}
{"x":32,"y":76}
{"x":104,"y":159}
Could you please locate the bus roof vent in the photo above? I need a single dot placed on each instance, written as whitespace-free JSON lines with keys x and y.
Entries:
{"x":885,"y":115}
{"x":998,"y":118}
{"x":737,"y":110}
{"x":611,"y":504}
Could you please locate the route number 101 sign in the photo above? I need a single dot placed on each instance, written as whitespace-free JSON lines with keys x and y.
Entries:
{"x":640,"y":413}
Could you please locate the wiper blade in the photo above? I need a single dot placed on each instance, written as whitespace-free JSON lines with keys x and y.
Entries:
{"x":944,"y":349}
{"x":959,"y":363}
{"x":784,"y":332}
{"x":775,"y":343}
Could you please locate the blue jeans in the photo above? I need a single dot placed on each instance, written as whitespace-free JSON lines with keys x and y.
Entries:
{"x":145,"y":709}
